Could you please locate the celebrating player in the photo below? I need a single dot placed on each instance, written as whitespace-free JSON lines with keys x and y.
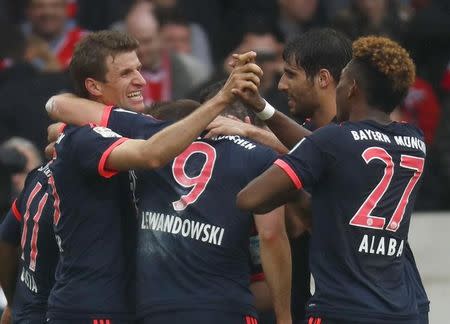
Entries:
{"x":357,"y":258}
{"x":93,"y":269}
{"x":313,"y":62}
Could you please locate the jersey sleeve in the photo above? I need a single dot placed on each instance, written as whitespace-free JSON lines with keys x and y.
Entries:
{"x":131,"y":124}
{"x":308,"y":160}
{"x":10,"y":227}
{"x":91,"y":147}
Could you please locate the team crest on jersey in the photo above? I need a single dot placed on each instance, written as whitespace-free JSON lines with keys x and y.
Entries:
{"x":105,"y":132}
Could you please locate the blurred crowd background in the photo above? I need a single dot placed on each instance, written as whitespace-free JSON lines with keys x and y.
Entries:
{"x":186,"y":44}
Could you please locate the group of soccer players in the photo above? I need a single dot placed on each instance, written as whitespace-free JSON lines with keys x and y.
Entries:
{"x":169,"y":241}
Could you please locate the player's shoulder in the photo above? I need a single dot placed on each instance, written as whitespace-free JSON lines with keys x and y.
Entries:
{"x":125,"y":114}
{"x":243,"y":145}
{"x":331,"y":134}
{"x":87,"y":132}
{"x":409,"y":129}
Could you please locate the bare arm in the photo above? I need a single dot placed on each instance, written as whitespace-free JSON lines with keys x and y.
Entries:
{"x":165,"y":145}
{"x":9,"y":260}
{"x":6,"y":316}
{"x":271,"y":189}
{"x":173,"y":140}
{"x":276,"y":261}
{"x":70,"y":109}
{"x":263,"y":297}
{"x":298,"y":215}
{"x":287,"y":130}
{"x":227,"y":126}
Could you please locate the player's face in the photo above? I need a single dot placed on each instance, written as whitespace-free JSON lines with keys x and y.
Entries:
{"x":343,"y":95}
{"x":302,"y":95}
{"x":47,"y":17}
{"x":124,"y":82}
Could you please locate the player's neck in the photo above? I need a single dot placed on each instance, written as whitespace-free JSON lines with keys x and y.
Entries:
{"x":366,"y":112}
{"x":325,"y":113}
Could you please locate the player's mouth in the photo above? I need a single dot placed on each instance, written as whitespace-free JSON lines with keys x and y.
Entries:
{"x":291,"y":103}
{"x":135,"y":96}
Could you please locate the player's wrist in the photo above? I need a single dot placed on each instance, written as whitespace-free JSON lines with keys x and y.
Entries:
{"x":267,"y":112}
{"x":221,"y":99}
{"x":259,"y":105}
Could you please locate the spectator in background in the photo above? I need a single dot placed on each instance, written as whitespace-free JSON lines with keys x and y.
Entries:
{"x":266,"y":41}
{"x":12,"y":49}
{"x":49,"y":20}
{"x":168,"y":75}
{"x":24,"y":91}
{"x":297,"y":16}
{"x":33,"y":157}
{"x":421,"y":108}
{"x":370,"y":17}
{"x":427,"y":38}
{"x":181,"y":36}
{"x":38,"y":50}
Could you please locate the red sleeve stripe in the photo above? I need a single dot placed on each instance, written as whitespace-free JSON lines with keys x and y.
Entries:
{"x":290,"y":172}
{"x":61,"y":128}
{"x":105,"y":116}
{"x":257,"y":277}
{"x":101,"y":165}
{"x":15,"y":211}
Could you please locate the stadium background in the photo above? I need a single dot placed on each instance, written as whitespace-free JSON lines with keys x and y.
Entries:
{"x":195,"y":39}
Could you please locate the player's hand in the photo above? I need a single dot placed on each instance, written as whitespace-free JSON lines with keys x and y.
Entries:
{"x":6,"y":316}
{"x":248,"y":96}
{"x":53,"y":131}
{"x":243,"y":77}
{"x":242,"y":59}
{"x":227,"y":126}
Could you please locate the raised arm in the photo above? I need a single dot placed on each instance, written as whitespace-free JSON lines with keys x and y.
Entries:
{"x":227,"y":126}
{"x":270,"y":190}
{"x":287,"y":130}
{"x":165,"y":145}
{"x":276,"y":261}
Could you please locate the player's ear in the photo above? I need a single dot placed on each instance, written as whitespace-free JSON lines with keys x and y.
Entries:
{"x":324,"y":78}
{"x":93,"y":87}
{"x":352,"y":90}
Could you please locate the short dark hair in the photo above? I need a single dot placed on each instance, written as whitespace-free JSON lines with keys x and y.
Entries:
{"x":172,"y":110}
{"x":384,"y":71}
{"x":237,"y":109}
{"x":316,"y":49}
{"x":89,"y":57}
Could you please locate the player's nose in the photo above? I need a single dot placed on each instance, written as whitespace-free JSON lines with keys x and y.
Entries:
{"x":282,"y":84}
{"x":139,"y":79}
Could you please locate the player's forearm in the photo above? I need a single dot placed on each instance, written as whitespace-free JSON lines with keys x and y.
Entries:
{"x":298,"y":214}
{"x":173,"y":140}
{"x":287,"y":130}
{"x":6,"y":316}
{"x":276,"y":262}
{"x":8,"y":270}
{"x":70,"y":109}
{"x":263,"y":297}
{"x":266,"y":138}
